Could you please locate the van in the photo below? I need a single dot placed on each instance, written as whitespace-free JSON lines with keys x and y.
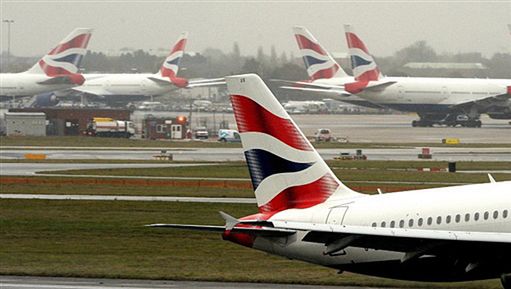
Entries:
{"x":228,"y":135}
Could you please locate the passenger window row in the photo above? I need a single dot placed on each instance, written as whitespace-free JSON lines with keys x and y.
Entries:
{"x":447,"y":220}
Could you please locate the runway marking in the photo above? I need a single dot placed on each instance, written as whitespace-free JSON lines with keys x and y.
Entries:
{"x":130,"y":198}
{"x":54,"y":286}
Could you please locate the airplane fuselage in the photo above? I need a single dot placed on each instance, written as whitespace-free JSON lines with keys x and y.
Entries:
{"x":423,"y":94}
{"x":121,"y":84}
{"x":26,"y":84}
{"x":478,"y":208}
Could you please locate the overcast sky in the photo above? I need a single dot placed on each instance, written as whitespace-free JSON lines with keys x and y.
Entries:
{"x":386,"y":26}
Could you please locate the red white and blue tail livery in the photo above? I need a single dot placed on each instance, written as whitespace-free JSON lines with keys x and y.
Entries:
{"x":170,"y":66}
{"x":363,"y":64}
{"x":286,"y":171}
{"x":58,"y":70}
{"x":319,"y":63}
{"x":65,"y":58}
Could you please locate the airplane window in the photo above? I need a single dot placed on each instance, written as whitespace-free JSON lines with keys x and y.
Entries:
{"x":486,"y":215}
{"x":467,"y":217}
{"x":401,"y":223}
{"x":448,"y":219}
{"x":410,"y":223}
{"x":373,"y":225}
{"x":504,"y":214}
{"x":420,"y":222}
{"x":476,"y":217}
{"x":439,"y":220}
{"x":392,"y":224}
{"x":495,"y":214}
{"x":458,"y":218}
{"x":430,"y":221}
{"x":383,"y":224}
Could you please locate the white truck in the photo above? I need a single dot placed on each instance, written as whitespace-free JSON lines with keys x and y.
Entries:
{"x":108,"y":127}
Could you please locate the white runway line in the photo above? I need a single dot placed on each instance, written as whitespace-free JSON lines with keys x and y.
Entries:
{"x":129,"y":198}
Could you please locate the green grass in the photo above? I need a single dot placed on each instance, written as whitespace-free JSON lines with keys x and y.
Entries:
{"x":363,"y":171}
{"x":83,"y":141}
{"x":107,"y":239}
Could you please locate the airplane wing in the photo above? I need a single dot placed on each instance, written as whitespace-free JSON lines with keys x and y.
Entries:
{"x":414,"y":242}
{"x":318,"y":90}
{"x":484,"y":101}
{"x":92,"y":91}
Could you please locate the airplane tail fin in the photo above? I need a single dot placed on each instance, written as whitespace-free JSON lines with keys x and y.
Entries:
{"x":364,"y":67}
{"x":65,"y":58}
{"x":286,"y":171}
{"x":319,"y":63}
{"x":170,"y":66}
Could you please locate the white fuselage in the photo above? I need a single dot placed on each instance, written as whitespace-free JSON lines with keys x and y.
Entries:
{"x":478,"y":208}
{"x":124,"y":85}
{"x":26,"y":84}
{"x":417,"y":94}
{"x":429,"y":94}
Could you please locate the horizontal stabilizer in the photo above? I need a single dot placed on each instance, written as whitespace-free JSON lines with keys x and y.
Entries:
{"x":160,"y":81}
{"x":205,"y":84}
{"x":63,"y":79}
{"x":379,"y":86}
{"x":252,"y":230}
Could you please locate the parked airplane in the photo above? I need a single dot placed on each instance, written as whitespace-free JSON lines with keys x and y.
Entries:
{"x":457,"y":233}
{"x":56,"y":70}
{"x":143,"y":85}
{"x":449,"y":101}
{"x":325,"y":74}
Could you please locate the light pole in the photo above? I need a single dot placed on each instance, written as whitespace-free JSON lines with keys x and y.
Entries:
{"x":9,"y":22}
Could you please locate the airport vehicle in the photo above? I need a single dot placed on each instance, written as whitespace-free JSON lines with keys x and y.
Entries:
{"x":125,"y":86}
{"x":323,"y":134}
{"x":443,"y":101}
{"x":228,"y":135}
{"x":56,"y":70}
{"x":201,"y":132}
{"x":325,"y":74}
{"x":456,"y":233}
{"x":108,"y":127}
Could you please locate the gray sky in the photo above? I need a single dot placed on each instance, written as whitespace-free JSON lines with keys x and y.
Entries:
{"x":385,"y":26}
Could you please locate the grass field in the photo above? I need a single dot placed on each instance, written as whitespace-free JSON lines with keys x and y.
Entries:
{"x":107,"y":239}
{"x":82,"y":141}
{"x":349,"y":171}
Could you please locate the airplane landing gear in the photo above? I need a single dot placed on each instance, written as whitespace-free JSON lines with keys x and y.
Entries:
{"x":463,"y":120}
{"x":506,"y":281}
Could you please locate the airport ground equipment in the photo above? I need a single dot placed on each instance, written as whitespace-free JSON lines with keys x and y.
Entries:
{"x":108,"y":127}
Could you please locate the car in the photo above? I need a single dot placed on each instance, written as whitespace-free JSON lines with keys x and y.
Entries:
{"x":323,"y":134}
{"x":228,"y":135}
{"x":201,"y":132}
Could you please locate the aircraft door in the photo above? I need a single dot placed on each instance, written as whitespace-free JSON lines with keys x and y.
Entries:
{"x":336,"y":215}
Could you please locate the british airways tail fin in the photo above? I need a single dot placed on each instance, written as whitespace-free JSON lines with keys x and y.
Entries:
{"x":286,"y":171}
{"x":64,"y":60}
{"x":170,"y":66}
{"x":319,"y":63}
{"x":364,"y":67}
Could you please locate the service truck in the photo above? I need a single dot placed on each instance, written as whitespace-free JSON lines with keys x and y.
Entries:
{"x":108,"y":127}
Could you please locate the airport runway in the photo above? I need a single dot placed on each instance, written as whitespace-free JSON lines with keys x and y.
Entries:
{"x":15,"y":282}
{"x":29,"y":169}
{"x":390,"y":128}
{"x":129,"y":198}
{"x":236,"y":154}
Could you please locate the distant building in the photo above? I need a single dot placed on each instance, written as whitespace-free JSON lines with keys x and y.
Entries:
{"x":25,"y":123}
